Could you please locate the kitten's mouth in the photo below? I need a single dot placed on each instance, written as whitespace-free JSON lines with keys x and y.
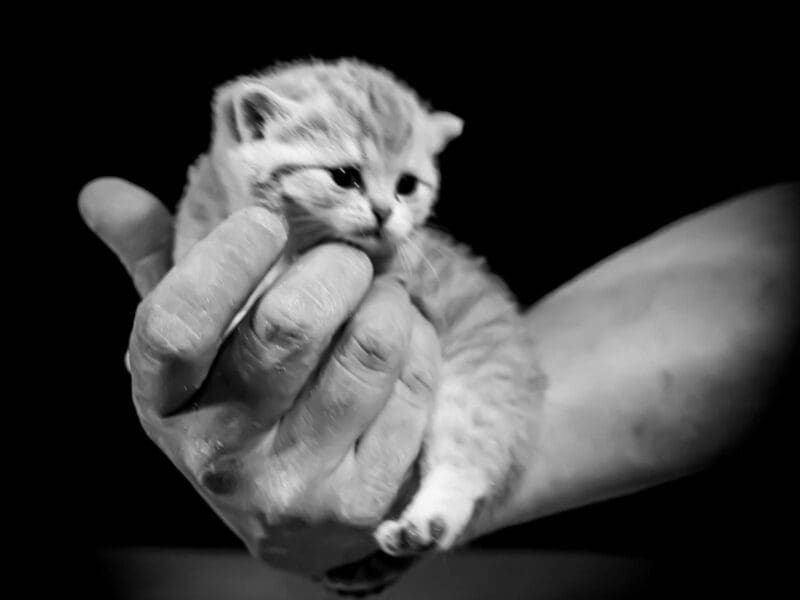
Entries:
{"x":367,"y":233}
{"x":370,"y":240}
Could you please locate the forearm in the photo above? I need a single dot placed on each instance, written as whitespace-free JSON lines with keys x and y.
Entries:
{"x":660,"y":359}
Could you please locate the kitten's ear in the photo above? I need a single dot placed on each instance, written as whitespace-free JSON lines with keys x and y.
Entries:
{"x":442,"y":127}
{"x":244,"y":110}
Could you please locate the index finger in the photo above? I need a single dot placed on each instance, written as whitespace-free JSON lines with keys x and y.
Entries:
{"x":180,"y":325}
{"x":272,"y":353}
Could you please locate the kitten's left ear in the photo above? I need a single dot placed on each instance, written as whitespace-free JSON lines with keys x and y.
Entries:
{"x":245,"y":109}
{"x":442,"y":127}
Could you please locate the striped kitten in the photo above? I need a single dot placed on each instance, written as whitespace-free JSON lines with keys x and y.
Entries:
{"x":346,"y":152}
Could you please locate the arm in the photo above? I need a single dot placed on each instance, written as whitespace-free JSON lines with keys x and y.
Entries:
{"x":660,"y":359}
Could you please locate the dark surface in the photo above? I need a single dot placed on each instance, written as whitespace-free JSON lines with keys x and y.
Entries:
{"x":575,"y":145}
{"x":176,"y":574}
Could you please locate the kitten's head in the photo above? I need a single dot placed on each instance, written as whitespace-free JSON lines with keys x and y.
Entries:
{"x":343,"y":149}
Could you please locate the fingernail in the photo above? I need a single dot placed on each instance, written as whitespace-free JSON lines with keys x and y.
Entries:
{"x":221,"y":483}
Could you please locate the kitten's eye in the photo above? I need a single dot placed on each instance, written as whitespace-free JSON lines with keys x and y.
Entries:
{"x":406,"y":185}
{"x":347,"y":177}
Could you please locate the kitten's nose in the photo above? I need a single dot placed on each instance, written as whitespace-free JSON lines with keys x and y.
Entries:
{"x":382,"y":213}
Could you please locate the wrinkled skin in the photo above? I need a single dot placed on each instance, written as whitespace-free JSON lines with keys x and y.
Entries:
{"x":709,"y":301}
{"x":302,"y":427}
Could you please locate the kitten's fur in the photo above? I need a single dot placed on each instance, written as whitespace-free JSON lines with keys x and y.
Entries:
{"x":277,"y":136}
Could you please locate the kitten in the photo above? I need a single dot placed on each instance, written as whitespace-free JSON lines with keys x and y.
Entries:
{"x":346,"y":152}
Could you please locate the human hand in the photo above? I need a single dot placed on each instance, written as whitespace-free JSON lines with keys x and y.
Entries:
{"x":301,"y":428}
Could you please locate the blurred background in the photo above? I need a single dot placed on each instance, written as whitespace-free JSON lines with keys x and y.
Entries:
{"x":576,"y":143}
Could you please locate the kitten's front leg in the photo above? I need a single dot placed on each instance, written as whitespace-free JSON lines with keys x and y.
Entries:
{"x":439,"y":513}
{"x":468,"y":459}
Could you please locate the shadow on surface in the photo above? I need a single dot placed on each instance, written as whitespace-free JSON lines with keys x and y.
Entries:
{"x":175,"y":574}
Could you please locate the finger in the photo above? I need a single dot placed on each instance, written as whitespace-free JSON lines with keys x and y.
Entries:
{"x":377,"y":477}
{"x":393,"y":440}
{"x":273,"y":352}
{"x":180,"y":324}
{"x":133,"y":224}
{"x":354,"y":385}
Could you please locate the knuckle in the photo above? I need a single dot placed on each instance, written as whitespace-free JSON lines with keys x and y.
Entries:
{"x":376,"y":346}
{"x":164,"y":334}
{"x":280,"y":325}
{"x":420,"y":379}
{"x":340,"y":406}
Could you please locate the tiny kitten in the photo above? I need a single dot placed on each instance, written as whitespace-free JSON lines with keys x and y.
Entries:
{"x":346,"y":152}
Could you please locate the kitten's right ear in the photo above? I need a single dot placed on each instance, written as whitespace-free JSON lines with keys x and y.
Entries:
{"x":442,"y":127}
{"x":244,"y":110}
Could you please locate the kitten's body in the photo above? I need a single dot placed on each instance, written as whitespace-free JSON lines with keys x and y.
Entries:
{"x":281,"y":140}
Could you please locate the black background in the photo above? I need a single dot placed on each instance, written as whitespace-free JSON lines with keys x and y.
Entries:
{"x":575,"y":145}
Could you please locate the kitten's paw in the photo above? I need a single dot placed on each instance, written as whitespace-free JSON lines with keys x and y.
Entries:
{"x":404,"y":537}
{"x":416,"y":534}
{"x":440,"y":512}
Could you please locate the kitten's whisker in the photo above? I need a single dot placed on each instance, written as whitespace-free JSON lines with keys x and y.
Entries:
{"x":439,"y":228}
{"x":405,"y":263}
{"x":425,"y":260}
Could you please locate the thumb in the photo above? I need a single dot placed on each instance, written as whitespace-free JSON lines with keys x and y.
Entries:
{"x":133,"y":224}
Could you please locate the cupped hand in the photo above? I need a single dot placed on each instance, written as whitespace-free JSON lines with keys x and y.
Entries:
{"x":302,"y":427}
